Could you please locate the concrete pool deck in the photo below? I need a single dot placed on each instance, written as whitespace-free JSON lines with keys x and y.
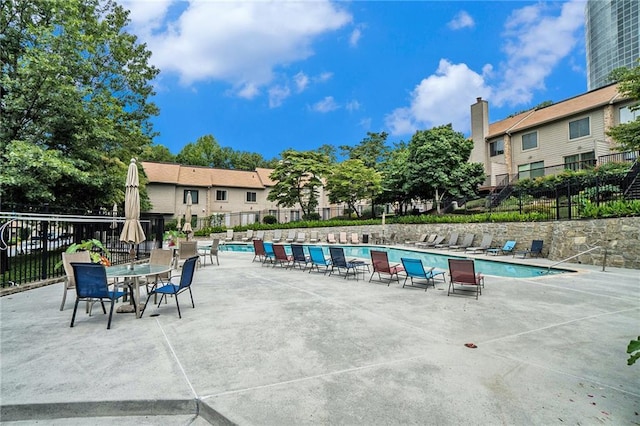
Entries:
{"x":267,"y":346}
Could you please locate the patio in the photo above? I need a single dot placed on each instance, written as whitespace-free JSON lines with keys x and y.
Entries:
{"x":282,"y":347}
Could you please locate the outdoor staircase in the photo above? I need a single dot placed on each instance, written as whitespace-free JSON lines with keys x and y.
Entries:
{"x":632,"y":192}
{"x":500,"y":192}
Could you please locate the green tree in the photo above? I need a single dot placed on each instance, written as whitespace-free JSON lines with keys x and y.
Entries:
{"x":206,"y":151}
{"x":395,"y":188}
{"x":352,"y":181}
{"x":298,"y":178}
{"x":159,"y":153}
{"x":372,"y":150}
{"x":627,"y":135}
{"x":437,"y":165}
{"x":74,"y":90}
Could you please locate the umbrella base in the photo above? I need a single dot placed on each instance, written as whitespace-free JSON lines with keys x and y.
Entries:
{"x":129,"y":309}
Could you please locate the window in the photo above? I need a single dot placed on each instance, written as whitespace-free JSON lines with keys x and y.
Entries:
{"x":221,"y":195}
{"x":579,"y":128}
{"x":251,"y":197}
{"x":627,"y":116}
{"x":531,"y":170}
{"x":496,"y":147}
{"x":529,"y":141}
{"x":580,"y":161}
{"x":194,"y":196}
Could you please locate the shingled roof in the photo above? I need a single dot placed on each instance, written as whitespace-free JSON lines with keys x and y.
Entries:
{"x":198,"y":176}
{"x":585,"y":102}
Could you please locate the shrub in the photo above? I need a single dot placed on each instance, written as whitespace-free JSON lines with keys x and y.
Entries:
{"x":269,"y":220}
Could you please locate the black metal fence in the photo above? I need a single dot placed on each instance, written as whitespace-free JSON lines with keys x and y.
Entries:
{"x":31,"y":245}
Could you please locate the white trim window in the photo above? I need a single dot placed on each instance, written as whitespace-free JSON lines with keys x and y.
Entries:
{"x":529,"y":141}
{"x":221,"y":195}
{"x":496,"y":147}
{"x":579,"y":128}
{"x":252,"y":197}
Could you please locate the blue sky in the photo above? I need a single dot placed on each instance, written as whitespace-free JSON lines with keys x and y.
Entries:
{"x":265,"y":76}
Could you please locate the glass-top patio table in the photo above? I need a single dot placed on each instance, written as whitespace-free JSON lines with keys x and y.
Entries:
{"x":139,"y":270}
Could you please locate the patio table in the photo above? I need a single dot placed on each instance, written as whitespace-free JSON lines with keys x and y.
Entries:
{"x":139,"y":270}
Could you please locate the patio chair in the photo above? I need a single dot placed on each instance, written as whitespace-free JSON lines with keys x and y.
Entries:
{"x":453,"y":240}
{"x":318,"y":259}
{"x":91,"y":285}
{"x":534,"y":251}
{"x":375,"y":238}
{"x":439,"y":239}
{"x":187,"y":249}
{"x":314,"y":238}
{"x":158,"y":257}
{"x":299,"y":258}
{"x":281,"y":257}
{"x":277,"y":236}
{"x":342,"y":238}
{"x":415,"y":270}
{"x":354,"y":238}
{"x":229,"y":236}
{"x":381,"y":265}
{"x":291,"y":236}
{"x":258,"y":251}
{"x":339,"y":262}
{"x":466,"y":242}
{"x":248,"y":236}
{"x":331,"y":238}
{"x":186,"y":278}
{"x":508,"y":247}
{"x":259,"y":235}
{"x":269,"y":255}
{"x":70,"y":281}
{"x":484,"y":244}
{"x":301,"y":237}
{"x":462,"y":273}
{"x":211,"y":251}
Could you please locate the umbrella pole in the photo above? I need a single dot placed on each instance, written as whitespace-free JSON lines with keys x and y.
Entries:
{"x":132,"y":255}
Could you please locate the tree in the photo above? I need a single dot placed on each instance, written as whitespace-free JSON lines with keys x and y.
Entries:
{"x":158,"y":153}
{"x":206,"y":151}
{"x":298,"y":177}
{"x":395,"y":188}
{"x":437,"y":165}
{"x":627,"y":135}
{"x":352,"y":181}
{"x":74,"y":90}
{"x":372,"y":150}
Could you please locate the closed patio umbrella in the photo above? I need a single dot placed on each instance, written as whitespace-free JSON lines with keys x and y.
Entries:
{"x":132,"y":230}
{"x":187,"y":216}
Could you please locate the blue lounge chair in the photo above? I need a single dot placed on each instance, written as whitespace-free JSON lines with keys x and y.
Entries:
{"x":507,"y":248}
{"x":415,"y":270}
{"x":535,"y":250}
{"x":318,"y":260}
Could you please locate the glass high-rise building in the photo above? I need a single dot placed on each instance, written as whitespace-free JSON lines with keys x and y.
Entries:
{"x":612,"y":36}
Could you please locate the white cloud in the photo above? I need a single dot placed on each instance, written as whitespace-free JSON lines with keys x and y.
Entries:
{"x":442,"y":98}
{"x":355,"y":37}
{"x":301,"y":80}
{"x":461,"y":20}
{"x":536,"y":40}
{"x":328,"y":104}
{"x":237,"y":42}
{"x":325,"y":76}
{"x":535,"y":44}
{"x":352,"y":106}
{"x":277,"y":95}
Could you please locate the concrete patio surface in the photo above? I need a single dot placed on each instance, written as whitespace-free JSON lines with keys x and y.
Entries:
{"x":268,"y":346}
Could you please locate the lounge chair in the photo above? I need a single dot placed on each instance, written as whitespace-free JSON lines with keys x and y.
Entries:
{"x":331,"y":238}
{"x":281,"y":257}
{"x":291,"y":236}
{"x":466,"y":242}
{"x":301,"y":237}
{"x":299,"y":258}
{"x":340,"y":263}
{"x":277,"y":236}
{"x":259,"y":251}
{"x":381,"y":265}
{"x":248,"y":236}
{"x":318,"y":259}
{"x":314,"y":237}
{"x":342,"y":238}
{"x":508,"y":247}
{"x":535,"y":250}
{"x":453,"y":239}
{"x":463,"y":274}
{"x":439,"y":239}
{"x":354,"y":238}
{"x":484,"y":244}
{"x":259,"y":235}
{"x":415,"y":270}
{"x":421,"y":239}
{"x":269,"y":256}
{"x":229,"y":236}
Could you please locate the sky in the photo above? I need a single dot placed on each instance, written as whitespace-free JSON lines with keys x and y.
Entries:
{"x":266,"y":76}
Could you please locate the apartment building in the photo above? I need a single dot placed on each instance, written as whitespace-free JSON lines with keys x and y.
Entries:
{"x":239,"y":197}
{"x":570,"y":133}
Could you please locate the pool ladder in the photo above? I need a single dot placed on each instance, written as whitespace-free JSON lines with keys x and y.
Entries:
{"x":604,"y":262}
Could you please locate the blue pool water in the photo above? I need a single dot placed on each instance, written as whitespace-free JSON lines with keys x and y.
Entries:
{"x":487,"y":267}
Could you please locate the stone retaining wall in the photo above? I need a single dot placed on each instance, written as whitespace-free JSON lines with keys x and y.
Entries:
{"x":562,"y":239}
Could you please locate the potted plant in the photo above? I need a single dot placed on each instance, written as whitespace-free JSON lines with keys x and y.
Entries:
{"x":171,"y":237}
{"x":97,"y":251}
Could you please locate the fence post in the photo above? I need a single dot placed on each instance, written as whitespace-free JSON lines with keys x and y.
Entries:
{"x":44,"y":235}
{"x":568,"y":200}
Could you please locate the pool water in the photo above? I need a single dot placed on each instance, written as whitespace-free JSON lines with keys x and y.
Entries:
{"x":487,"y":267}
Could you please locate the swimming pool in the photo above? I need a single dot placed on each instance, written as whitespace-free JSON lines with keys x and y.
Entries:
{"x":487,"y":267}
